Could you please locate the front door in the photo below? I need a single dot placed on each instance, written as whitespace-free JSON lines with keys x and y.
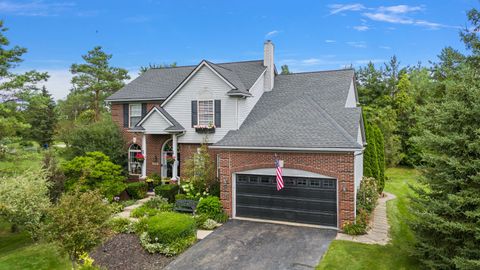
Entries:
{"x":167,"y":159}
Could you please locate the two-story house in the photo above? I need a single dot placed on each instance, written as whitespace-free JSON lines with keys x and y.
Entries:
{"x":250,"y":116}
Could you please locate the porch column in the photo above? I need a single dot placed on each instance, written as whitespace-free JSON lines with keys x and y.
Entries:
{"x":175,"y":154}
{"x":144,"y":150}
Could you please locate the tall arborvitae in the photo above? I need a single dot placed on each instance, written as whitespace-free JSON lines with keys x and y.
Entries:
{"x":380,"y":151}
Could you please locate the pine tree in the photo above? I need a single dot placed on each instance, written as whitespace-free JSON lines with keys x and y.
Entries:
{"x":447,"y":204}
{"x":41,"y":116}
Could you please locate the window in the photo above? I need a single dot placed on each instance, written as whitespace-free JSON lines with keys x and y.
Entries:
{"x":265,"y":180}
{"x":135,"y":114}
{"x":205,"y":113}
{"x":329,"y":184}
{"x":134,"y":166}
{"x":253,"y":179}
{"x":242,"y":178}
{"x":301,"y":182}
{"x":315,"y":182}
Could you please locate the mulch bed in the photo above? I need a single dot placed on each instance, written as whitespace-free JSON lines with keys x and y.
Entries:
{"x":123,"y":251}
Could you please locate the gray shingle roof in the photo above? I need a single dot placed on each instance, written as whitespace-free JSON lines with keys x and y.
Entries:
{"x":304,"y":110}
{"x":157,"y":84}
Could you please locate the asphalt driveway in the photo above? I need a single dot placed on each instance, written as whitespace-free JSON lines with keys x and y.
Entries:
{"x":253,"y":245}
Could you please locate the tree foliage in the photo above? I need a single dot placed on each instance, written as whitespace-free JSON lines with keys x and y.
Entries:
{"x":24,"y":200}
{"x":78,"y":223}
{"x":144,"y":69}
{"x":446,"y":206}
{"x":103,"y":136}
{"x":95,"y":171}
{"x":40,"y":115}
{"x":14,"y":87}
{"x":200,"y":173}
{"x":54,"y":176}
{"x":285,"y":70}
{"x":96,"y":79}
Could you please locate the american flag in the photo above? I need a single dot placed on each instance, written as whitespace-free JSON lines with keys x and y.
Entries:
{"x":279,"y":175}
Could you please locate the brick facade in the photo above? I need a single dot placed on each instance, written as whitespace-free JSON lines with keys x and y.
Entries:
{"x":337,"y":165}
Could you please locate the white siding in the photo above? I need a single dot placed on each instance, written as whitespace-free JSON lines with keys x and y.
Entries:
{"x":358,"y":166}
{"x":155,"y":124}
{"x":351,"y":97}
{"x":246,"y":105}
{"x":203,"y":85}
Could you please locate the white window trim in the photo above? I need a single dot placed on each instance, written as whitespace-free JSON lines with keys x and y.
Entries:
{"x":130,"y":151}
{"x":130,"y":113}
{"x":198,"y":112}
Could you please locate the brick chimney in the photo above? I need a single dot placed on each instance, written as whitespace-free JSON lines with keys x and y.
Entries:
{"x":268,"y":62}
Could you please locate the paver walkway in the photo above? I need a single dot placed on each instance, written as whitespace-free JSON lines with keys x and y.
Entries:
{"x":127,"y":210}
{"x":378,"y":233}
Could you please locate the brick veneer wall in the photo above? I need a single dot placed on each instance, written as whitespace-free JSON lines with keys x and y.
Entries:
{"x":188,"y":150}
{"x":154,"y":142}
{"x":338,"y":165}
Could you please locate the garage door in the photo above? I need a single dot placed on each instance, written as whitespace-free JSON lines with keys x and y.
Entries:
{"x":303,"y":200}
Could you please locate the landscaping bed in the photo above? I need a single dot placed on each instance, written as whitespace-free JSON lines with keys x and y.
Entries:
{"x":124,"y":251}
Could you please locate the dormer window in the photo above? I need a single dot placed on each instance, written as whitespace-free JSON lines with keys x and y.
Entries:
{"x":206,"y":113}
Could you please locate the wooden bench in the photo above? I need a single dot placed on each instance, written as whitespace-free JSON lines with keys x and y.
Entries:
{"x":185,"y":206}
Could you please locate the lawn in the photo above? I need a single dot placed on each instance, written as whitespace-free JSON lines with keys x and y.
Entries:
{"x":18,"y":251}
{"x":352,"y":255}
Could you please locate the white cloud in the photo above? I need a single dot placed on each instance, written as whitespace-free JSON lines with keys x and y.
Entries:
{"x":339,"y":8}
{"x":272,"y":33}
{"x":59,"y":82}
{"x":400,"y":9}
{"x":366,"y":61}
{"x":35,"y":8}
{"x":385,"y":47}
{"x":330,"y":41}
{"x":396,"y":14}
{"x":361,"y":28}
{"x":357,"y":44}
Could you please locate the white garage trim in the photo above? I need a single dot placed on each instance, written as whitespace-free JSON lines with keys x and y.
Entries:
{"x":286,"y":172}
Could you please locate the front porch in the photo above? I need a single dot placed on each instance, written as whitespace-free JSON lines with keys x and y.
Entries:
{"x":160,"y":154}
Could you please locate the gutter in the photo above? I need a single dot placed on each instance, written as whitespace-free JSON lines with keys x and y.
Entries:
{"x":299,"y":149}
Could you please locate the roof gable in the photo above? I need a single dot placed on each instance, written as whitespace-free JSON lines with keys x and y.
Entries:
{"x":157,"y":120}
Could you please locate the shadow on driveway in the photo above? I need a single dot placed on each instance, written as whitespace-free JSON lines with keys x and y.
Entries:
{"x":242,"y":244}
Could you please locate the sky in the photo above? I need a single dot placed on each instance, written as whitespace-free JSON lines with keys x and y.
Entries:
{"x":308,"y":35}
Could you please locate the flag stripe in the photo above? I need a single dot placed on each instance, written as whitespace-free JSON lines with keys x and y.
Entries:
{"x":279,"y":173}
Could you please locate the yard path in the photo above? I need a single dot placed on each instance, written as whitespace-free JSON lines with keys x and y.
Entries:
{"x":127,"y":210}
{"x":378,"y":232}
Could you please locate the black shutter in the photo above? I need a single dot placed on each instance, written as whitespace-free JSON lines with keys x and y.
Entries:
{"x":218,"y":113}
{"x":125,"y":115}
{"x":194,"y":113}
{"x":144,"y":109}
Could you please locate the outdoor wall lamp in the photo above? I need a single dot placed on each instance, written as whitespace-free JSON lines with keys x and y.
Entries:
{"x":155,"y":159}
{"x":344,"y":186}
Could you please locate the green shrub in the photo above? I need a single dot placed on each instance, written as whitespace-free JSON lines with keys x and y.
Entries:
{"x":212,"y":208}
{"x":137,"y":190}
{"x":367,"y":194}
{"x":155,"y":179}
{"x":144,"y":211}
{"x":159,"y":203}
{"x":171,"y":249}
{"x":167,"y":191}
{"x":95,"y":171}
{"x":180,"y":197}
{"x":116,"y":207}
{"x":169,"y":227}
{"x":209,"y":224}
{"x":199,"y":220}
{"x":121,"y":225}
{"x":360,"y":226}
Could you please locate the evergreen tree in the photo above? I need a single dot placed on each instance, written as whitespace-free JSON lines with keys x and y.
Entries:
{"x":285,"y":70}
{"x":380,"y":151}
{"x":96,"y":79}
{"x":14,"y":86}
{"x":447,"y":205}
{"x":41,"y":116}
{"x":370,"y":159}
{"x":143,"y":69}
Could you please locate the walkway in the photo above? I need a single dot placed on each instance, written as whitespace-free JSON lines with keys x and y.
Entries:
{"x":127,"y":210}
{"x":378,"y":233}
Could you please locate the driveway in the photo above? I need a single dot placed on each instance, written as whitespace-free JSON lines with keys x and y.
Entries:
{"x":242,"y":244}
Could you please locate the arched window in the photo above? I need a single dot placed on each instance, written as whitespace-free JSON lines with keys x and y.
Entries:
{"x":134,"y":165}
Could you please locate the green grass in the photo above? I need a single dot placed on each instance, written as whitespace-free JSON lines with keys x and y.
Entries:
{"x":18,"y":251}
{"x":395,"y":255}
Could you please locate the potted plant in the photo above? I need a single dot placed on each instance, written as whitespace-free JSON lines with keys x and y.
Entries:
{"x":149,"y":181}
{"x":139,"y":157}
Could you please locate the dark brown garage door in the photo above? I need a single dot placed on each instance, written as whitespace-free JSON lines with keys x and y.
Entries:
{"x":303,"y":200}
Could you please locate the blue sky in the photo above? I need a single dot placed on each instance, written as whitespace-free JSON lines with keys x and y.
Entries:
{"x":308,"y":35}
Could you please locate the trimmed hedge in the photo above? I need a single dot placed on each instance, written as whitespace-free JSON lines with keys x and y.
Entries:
{"x":167,"y":191}
{"x":137,"y":190}
{"x":169,"y":227}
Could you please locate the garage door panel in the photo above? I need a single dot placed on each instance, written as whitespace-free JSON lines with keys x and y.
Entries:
{"x":287,"y":203}
{"x":271,"y":190}
{"x":303,"y":199}
{"x":288,"y":215}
